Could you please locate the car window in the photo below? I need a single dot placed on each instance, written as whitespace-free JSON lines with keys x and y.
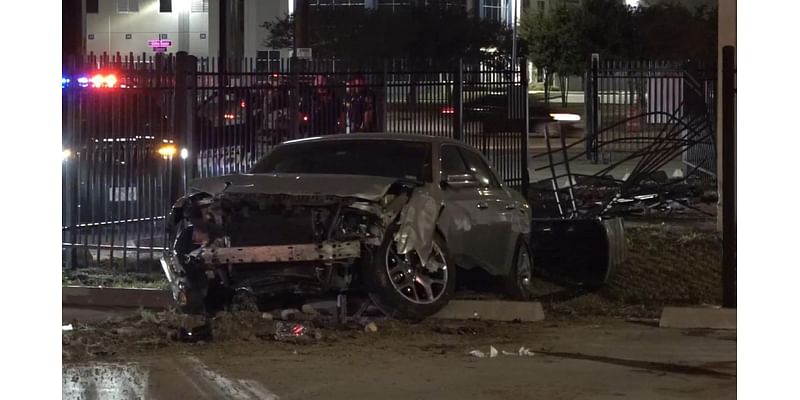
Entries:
{"x":478,"y":167}
{"x":452,"y":163}
{"x":389,"y":158}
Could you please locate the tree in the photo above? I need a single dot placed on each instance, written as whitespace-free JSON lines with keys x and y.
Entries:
{"x":553,"y":41}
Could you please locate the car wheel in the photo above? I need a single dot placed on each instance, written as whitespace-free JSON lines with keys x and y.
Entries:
{"x":519,"y":282}
{"x":401,"y":287}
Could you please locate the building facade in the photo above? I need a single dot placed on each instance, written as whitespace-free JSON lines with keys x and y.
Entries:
{"x":135,"y":26}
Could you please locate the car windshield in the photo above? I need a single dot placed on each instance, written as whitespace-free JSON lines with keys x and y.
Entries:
{"x":389,"y":158}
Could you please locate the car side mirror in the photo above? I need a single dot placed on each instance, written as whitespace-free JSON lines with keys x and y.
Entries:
{"x":459,"y":181}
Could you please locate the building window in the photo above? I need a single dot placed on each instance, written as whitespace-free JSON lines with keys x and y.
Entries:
{"x":199,"y":6}
{"x":492,"y":9}
{"x":128,"y":36}
{"x":268,"y":61}
{"x":392,"y":4}
{"x":165,"y":6}
{"x":163,"y":36}
{"x":336,"y":3}
{"x":202,"y":36}
{"x":127,"y":6}
{"x":92,"y":6}
{"x":540,"y":6}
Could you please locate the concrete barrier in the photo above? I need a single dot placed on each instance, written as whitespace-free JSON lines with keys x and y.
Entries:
{"x":698,"y":318}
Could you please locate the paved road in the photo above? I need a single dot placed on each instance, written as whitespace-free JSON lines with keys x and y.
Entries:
{"x":598,"y":359}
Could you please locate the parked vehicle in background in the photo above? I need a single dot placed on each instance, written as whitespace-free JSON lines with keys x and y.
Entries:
{"x":496,"y":112}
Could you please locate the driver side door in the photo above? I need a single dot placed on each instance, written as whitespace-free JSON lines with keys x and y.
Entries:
{"x":476,"y":212}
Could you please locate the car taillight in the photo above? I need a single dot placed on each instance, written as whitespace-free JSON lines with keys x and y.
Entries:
{"x":229,"y":116}
{"x":242,"y":104}
{"x":448,"y":110}
{"x":304,"y":117}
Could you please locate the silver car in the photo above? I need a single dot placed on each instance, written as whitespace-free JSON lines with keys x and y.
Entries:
{"x":390,"y":215}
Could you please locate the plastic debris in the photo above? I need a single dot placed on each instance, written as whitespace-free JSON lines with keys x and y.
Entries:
{"x":477,"y":353}
{"x":371,"y":328}
{"x":67,"y":327}
{"x":524,"y":351}
{"x":295,"y":332}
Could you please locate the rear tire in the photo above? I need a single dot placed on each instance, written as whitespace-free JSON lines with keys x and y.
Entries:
{"x":401,"y":287}
{"x":519,"y":282}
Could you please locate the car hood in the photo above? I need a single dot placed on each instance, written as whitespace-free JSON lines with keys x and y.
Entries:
{"x":371,"y":188}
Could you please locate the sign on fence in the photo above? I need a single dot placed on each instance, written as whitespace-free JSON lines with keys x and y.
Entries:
{"x":120,"y":194}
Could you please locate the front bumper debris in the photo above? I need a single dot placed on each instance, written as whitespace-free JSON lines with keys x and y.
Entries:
{"x":325,"y":251}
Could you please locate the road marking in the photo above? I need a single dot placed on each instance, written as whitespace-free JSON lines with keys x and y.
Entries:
{"x":240,"y":389}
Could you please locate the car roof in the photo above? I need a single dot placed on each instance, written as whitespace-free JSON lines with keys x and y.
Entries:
{"x":412,"y":137}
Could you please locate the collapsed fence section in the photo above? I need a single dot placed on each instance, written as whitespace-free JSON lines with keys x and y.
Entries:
{"x":644,"y":106}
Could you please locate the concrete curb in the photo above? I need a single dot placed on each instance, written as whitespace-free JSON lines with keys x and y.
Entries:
{"x":85,"y":296}
{"x":698,"y":318}
{"x":492,"y":310}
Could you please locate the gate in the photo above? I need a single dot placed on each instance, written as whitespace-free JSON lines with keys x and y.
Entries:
{"x":117,"y":171}
{"x":137,"y":129}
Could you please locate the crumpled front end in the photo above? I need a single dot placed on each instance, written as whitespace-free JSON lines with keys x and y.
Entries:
{"x":272,"y":244}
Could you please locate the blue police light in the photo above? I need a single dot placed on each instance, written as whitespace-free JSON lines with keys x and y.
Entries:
{"x":83,"y":81}
{"x":64,"y":82}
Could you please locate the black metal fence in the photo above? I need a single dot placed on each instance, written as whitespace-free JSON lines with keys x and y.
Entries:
{"x":637,"y":107}
{"x":137,"y":129}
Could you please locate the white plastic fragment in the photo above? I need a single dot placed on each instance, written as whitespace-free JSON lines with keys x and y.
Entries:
{"x":523,"y":351}
{"x":67,"y":327}
{"x":492,"y":352}
{"x":509,"y":353}
{"x":477,"y":353}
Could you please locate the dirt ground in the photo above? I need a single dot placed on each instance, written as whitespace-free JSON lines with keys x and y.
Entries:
{"x":595,"y":344}
{"x":579,"y":358}
{"x":672,"y":264}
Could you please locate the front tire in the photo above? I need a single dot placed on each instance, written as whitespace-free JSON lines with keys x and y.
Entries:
{"x":401,"y":287}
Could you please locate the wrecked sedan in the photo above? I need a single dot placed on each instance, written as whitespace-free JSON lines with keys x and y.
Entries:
{"x":389,"y":215}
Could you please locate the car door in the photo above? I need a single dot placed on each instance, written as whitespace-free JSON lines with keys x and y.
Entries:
{"x":493,"y":216}
{"x":456,"y":219}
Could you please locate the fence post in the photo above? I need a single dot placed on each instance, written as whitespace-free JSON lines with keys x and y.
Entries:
{"x":523,"y":69}
{"x":184,"y":98}
{"x":458,"y":97}
{"x":590,"y":100}
{"x":384,"y":115}
{"x":728,"y":175}
{"x":294,"y":98}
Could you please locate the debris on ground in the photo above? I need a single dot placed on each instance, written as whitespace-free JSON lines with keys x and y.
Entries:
{"x":371,"y":327}
{"x":296,"y":332}
{"x":523,"y":351}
